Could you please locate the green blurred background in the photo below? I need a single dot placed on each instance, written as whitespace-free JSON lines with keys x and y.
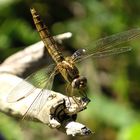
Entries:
{"x":114,"y":82}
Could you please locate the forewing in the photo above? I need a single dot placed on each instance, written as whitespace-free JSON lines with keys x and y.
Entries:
{"x":104,"y":53}
{"x":116,"y":39}
{"x":107,"y":46}
{"x":37,"y":80}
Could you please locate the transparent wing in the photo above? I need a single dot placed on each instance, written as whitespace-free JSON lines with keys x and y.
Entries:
{"x":116,"y":39}
{"x":98,"y":54}
{"x":42,"y":96}
{"x":40,"y":79}
{"x":108,"y":46}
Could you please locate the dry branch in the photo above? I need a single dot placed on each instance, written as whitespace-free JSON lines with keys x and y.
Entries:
{"x":58,"y":110}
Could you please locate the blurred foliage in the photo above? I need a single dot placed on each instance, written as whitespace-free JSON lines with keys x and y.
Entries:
{"x":114,"y":82}
{"x":6,"y":128}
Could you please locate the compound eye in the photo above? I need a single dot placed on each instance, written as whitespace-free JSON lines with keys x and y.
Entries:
{"x":75,"y":83}
{"x":84,"y":79}
{"x":83,"y":82}
{"x":79,"y":82}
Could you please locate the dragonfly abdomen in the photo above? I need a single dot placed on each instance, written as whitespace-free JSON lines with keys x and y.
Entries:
{"x":46,"y":37}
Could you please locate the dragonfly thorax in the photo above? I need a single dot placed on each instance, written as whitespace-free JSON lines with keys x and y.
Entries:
{"x":68,"y":70}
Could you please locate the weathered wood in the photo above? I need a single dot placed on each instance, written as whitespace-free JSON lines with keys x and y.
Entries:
{"x":58,"y":111}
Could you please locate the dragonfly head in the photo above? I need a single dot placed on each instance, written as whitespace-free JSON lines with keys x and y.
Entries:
{"x":79,"y":83}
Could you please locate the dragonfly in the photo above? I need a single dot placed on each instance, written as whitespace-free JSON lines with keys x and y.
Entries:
{"x":66,"y":66}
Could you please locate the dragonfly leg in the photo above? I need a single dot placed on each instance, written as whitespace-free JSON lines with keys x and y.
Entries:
{"x":68,"y":92}
{"x":74,"y":98}
{"x":83,"y":93}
